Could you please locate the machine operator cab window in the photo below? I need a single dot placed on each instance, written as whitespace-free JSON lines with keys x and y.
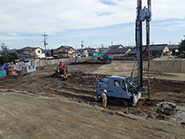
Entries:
{"x":116,"y":83}
{"x":123,"y":85}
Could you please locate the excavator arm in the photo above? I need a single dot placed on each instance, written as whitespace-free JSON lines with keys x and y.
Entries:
{"x":60,"y":68}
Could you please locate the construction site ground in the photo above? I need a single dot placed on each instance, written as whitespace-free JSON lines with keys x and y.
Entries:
{"x":37,"y":105}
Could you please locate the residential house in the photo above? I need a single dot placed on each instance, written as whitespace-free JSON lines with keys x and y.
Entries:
{"x":182,"y":54}
{"x":155,"y":51}
{"x":104,"y":50}
{"x":32,"y":59}
{"x":30,"y":51}
{"x":118,"y":53}
{"x":64,"y":51}
{"x":116,"y":46}
{"x":173,"y":48}
{"x":85,"y":52}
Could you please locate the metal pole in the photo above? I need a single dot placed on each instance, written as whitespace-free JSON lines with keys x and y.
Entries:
{"x":45,"y":35}
{"x":148,"y":43}
{"x":141,"y":51}
{"x":138,"y":41}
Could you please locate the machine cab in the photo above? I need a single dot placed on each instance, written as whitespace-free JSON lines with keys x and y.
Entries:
{"x":116,"y":86}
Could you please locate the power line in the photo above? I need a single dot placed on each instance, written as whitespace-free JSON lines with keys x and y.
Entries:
{"x":61,"y":39}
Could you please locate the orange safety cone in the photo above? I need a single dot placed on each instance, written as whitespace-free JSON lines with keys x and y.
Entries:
{"x":6,"y":86}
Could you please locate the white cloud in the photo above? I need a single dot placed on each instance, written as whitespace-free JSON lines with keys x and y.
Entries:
{"x":55,"y":16}
{"x":37,"y":16}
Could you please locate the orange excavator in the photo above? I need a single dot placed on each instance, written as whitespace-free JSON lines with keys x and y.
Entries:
{"x":61,"y":71}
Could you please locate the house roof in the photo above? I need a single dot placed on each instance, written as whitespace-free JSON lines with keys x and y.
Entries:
{"x":133,"y":51}
{"x":67,"y":47}
{"x":104,"y":50}
{"x":29,"y":48}
{"x":153,"y":48}
{"x":118,"y":51}
{"x":115,"y":46}
{"x":32,"y":57}
{"x":172,"y":47}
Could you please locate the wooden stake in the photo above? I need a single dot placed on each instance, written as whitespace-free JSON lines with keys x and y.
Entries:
{"x":37,"y":94}
{"x":126,"y":110}
{"x":138,"y":108}
{"x":6,"y":86}
{"x":53,"y":96}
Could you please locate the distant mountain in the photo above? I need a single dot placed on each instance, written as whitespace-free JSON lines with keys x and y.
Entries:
{"x":12,"y":50}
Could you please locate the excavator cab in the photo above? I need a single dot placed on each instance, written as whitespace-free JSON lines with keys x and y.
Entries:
{"x":61,"y":71}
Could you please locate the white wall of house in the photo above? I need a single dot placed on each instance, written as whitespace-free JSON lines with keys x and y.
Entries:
{"x":128,"y":51}
{"x":166,"y":49}
{"x":38,"y":52}
{"x":120,"y":47}
{"x":85,"y":53}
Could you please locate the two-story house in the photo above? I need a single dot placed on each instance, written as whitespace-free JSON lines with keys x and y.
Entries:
{"x":30,"y":51}
{"x":116,"y":46}
{"x":64,"y":52}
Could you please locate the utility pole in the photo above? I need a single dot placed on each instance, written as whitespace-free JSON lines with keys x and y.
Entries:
{"x":82,"y":46}
{"x":45,"y":35}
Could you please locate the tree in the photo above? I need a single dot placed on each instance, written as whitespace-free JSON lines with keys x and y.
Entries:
{"x":52,"y":52}
{"x":4,"y":59}
{"x":182,"y":46}
{"x":47,"y":54}
{"x":6,"y":56}
{"x":14,"y":55}
{"x":160,"y":53}
{"x":4,"y":49}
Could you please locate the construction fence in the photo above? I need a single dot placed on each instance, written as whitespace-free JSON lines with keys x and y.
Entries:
{"x":53,"y":61}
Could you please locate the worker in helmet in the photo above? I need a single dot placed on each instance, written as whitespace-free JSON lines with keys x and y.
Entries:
{"x":104,"y":98}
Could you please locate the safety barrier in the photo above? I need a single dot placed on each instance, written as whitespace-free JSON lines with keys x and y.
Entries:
{"x":54,"y":61}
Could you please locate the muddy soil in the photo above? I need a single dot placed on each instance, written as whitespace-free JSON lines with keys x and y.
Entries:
{"x":79,"y":88}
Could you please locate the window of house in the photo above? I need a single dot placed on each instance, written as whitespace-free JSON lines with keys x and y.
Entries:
{"x":38,"y":51}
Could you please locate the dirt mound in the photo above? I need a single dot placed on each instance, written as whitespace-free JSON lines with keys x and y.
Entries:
{"x":167,"y":65}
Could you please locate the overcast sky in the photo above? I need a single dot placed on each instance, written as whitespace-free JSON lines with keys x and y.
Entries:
{"x":96,"y":22}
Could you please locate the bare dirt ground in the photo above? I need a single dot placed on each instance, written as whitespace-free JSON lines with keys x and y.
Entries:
{"x":72,"y":111}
